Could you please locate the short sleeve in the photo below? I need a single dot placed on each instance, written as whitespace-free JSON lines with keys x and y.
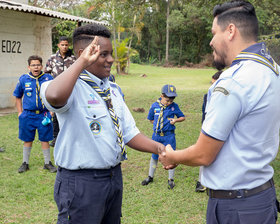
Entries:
{"x":179,"y":113}
{"x":18,"y":92}
{"x":151,"y":116}
{"x":223,"y":109}
{"x":48,"y":105}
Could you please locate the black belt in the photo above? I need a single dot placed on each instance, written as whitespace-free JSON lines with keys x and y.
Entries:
{"x":231,"y":194}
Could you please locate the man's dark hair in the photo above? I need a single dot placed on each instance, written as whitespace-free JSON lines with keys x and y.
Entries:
{"x":83,"y":35}
{"x":240,"y":13}
{"x":63,"y":38}
{"x":217,"y":75}
{"x":34,"y":57}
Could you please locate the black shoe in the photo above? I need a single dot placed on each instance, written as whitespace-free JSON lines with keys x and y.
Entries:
{"x":2,"y":150}
{"x":24,"y":167}
{"x":171,"y":184}
{"x":52,"y":144}
{"x":147,"y":180}
{"x":50,"y":167}
{"x":199,"y":187}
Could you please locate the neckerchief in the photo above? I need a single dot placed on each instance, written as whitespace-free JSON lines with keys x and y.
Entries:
{"x":106,"y":96}
{"x":258,"y":53}
{"x":159,"y":126}
{"x":37,"y":88}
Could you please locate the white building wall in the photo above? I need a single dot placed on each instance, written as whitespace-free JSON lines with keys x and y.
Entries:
{"x":21,"y":35}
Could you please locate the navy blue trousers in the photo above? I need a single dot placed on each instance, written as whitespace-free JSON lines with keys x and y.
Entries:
{"x":260,"y":208}
{"x":89,"y":196}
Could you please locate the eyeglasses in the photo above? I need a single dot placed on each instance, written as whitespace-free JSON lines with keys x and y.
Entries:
{"x":35,"y":65}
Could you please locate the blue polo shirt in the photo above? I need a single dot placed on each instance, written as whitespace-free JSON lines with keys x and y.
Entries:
{"x":169,"y":112}
{"x":26,"y":88}
{"x":87,"y":137}
{"x":243,"y":110}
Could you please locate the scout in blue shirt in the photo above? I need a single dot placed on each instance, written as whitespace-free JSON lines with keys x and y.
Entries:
{"x":240,"y":134}
{"x":32,"y":113}
{"x":163,"y":115}
{"x":95,"y":126}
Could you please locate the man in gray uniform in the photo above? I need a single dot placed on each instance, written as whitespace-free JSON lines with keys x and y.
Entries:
{"x":240,"y":133}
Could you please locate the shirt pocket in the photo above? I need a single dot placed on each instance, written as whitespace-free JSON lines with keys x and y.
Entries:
{"x":97,"y":119}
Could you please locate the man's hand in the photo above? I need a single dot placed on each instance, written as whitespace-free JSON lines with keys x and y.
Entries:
{"x":91,"y":53}
{"x":163,"y":158}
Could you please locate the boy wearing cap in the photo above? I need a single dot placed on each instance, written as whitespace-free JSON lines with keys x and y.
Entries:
{"x":162,"y":115}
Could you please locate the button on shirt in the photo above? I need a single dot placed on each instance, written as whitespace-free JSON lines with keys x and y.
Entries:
{"x":169,"y":112}
{"x":243,"y":110}
{"x":87,"y":138}
{"x":26,"y":88}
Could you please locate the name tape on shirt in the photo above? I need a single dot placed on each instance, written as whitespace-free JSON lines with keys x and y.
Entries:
{"x":222,"y":90}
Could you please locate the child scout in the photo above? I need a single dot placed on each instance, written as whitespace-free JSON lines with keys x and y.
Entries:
{"x":32,"y":113}
{"x":162,"y":115}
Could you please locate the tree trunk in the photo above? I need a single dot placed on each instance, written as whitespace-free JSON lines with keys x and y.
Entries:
{"x":129,"y":46}
{"x":167,"y":34}
{"x":115,"y":44}
{"x":181,"y":47}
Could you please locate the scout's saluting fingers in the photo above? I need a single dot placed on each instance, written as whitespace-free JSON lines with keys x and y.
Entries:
{"x":91,"y":53}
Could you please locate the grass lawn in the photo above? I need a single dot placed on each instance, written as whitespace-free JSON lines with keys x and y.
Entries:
{"x":28,"y":198}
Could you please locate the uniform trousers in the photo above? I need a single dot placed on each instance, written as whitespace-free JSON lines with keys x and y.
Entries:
{"x":260,"y":208}
{"x":89,"y":196}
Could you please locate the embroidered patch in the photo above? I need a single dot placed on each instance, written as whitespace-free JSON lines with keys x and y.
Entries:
{"x":28,"y":94}
{"x":95,"y":127}
{"x":27,"y":84}
{"x":94,"y":100}
{"x":156,"y":111}
{"x":222,"y":90}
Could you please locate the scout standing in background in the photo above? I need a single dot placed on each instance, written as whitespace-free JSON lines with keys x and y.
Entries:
{"x":162,"y":115}
{"x":56,"y":64}
{"x":32,"y":113}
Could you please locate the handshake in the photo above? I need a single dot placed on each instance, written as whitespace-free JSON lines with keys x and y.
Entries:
{"x":165,"y":156}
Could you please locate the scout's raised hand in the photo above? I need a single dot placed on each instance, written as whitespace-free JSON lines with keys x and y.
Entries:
{"x":91,"y":53}
{"x":164,"y":158}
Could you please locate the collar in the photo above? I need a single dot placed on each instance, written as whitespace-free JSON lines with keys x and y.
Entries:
{"x":102,"y":83}
{"x":259,"y":53}
{"x":68,"y":54}
{"x":35,"y":77}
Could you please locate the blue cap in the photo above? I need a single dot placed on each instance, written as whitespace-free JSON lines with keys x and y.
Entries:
{"x":169,"y":90}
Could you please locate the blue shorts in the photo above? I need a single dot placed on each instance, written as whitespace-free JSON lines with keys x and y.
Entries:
{"x":260,"y":208}
{"x":89,"y":195}
{"x":29,"y":122}
{"x":165,"y":140}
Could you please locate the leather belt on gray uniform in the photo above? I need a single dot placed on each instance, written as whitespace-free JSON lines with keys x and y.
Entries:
{"x":231,"y":194}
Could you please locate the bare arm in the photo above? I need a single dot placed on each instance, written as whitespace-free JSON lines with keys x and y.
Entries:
{"x":175,"y":120}
{"x":203,"y":152}
{"x":144,"y":144}
{"x":60,"y":89}
{"x":19,"y":105}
